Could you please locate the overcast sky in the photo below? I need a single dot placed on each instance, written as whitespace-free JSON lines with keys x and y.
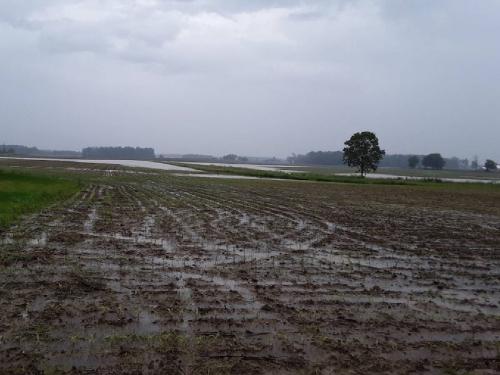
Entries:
{"x":257,"y":77}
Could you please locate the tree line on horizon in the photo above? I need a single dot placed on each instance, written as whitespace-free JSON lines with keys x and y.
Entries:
{"x":362,"y":151}
{"x":21,"y":150}
{"x":436,"y":161}
{"x":389,"y":160}
{"x":325,"y":158}
{"x":135,"y":153}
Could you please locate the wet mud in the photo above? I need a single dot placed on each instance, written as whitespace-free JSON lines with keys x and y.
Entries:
{"x":159,"y":274}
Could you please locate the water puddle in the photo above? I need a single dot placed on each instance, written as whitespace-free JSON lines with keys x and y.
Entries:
{"x":41,"y":240}
{"x":166,"y":244}
{"x":211,"y":261}
{"x":88,"y":225}
{"x":7,"y":240}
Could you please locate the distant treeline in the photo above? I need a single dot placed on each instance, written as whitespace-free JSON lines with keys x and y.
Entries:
{"x":395,"y":160}
{"x":318,"y":158}
{"x":229,"y":158}
{"x":137,"y":153}
{"x":195,"y":158}
{"x":21,"y":150}
{"x":7,"y":150}
{"x":401,"y":161}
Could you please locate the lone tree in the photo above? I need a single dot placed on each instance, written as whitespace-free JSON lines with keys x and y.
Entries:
{"x":433,"y":161}
{"x":413,"y":161}
{"x":490,"y":165}
{"x":363,"y":152}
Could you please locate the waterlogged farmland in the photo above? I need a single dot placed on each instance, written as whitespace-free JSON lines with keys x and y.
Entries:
{"x":163,"y":274}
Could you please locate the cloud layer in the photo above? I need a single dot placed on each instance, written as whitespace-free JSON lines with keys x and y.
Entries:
{"x":260,"y":77}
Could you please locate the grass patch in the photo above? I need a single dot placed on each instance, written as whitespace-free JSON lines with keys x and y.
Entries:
{"x":22,"y":193}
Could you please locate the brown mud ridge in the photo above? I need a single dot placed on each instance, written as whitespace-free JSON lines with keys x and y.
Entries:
{"x":166,"y":275}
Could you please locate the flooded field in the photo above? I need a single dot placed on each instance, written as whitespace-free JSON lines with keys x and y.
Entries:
{"x":444,"y":179}
{"x":124,"y":163}
{"x":163,"y":274}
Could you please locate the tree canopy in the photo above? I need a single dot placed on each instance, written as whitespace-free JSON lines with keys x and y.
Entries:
{"x":317,"y":158}
{"x":490,"y":165}
{"x":233,"y":158}
{"x":363,"y":152}
{"x":433,"y":161}
{"x":413,"y":161}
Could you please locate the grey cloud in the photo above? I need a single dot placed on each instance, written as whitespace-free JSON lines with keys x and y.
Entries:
{"x":268,"y":77}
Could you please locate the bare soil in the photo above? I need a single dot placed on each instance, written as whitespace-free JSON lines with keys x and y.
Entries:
{"x":160,"y":274}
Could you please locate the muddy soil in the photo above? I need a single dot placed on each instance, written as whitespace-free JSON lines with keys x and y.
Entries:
{"x":160,"y":274}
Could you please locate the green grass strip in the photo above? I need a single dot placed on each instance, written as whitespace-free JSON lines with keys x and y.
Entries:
{"x":23,"y":193}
